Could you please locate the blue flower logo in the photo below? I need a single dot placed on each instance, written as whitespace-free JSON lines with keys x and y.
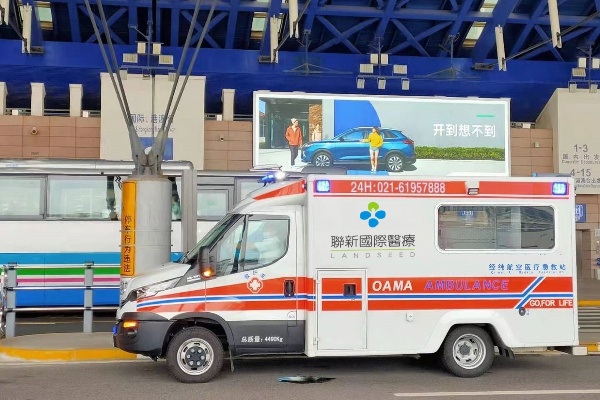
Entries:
{"x":373,"y":214}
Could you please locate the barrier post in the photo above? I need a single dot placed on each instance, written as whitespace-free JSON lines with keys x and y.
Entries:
{"x":11,"y":301}
{"x":88,"y":300}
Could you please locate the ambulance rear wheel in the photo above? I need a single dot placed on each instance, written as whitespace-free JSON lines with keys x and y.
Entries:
{"x":468,"y":352}
{"x":195,"y":355}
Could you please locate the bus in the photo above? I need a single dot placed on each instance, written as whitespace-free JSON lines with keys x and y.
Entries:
{"x":59,"y":215}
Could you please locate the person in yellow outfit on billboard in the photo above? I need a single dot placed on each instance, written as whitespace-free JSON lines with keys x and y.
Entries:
{"x":375,"y":140}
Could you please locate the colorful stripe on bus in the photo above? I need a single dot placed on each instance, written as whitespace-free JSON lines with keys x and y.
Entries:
{"x":58,"y":279}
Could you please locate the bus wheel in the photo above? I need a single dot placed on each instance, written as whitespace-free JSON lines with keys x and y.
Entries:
{"x":195,"y":355}
{"x":468,"y":352}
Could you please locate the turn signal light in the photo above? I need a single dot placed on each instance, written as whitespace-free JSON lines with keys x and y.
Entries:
{"x":130,"y":324}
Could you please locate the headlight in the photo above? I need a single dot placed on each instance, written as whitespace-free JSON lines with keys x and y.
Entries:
{"x":151,"y":290}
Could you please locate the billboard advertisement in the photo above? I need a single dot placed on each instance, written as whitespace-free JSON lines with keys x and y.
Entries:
{"x":147,"y":106}
{"x":432,"y":136}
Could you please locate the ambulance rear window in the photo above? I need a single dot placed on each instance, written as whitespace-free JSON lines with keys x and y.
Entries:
{"x":462,"y":227}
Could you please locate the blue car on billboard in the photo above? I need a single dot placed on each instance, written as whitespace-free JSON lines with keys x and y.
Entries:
{"x":397,"y":151}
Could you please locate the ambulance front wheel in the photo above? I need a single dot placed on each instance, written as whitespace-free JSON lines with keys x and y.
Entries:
{"x":468,"y":352}
{"x":195,"y":355}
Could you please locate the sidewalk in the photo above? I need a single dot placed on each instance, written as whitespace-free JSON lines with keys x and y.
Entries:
{"x":62,"y":347}
{"x":588,"y":292}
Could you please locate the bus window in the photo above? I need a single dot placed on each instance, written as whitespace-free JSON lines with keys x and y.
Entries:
{"x":89,"y":197}
{"x":21,"y":197}
{"x":246,"y":186}
{"x":212,"y":203}
{"x":496,"y":227}
{"x":175,"y":199}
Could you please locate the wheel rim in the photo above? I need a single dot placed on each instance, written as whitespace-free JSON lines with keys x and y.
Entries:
{"x":395,"y":163}
{"x":469,"y":351}
{"x":322,"y":160}
{"x":195,"y":356}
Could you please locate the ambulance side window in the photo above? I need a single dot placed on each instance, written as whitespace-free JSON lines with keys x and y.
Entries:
{"x":267,"y":241}
{"x":462,"y":227}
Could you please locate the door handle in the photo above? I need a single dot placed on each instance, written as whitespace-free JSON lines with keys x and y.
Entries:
{"x":288,"y":288}
{"x":350,"y":289}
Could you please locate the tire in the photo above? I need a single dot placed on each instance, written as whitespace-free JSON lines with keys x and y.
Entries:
{"x":197,"y":344}
{"x":322,"y":159}
{"x":394,"y":162}
{"x":474,"y":340}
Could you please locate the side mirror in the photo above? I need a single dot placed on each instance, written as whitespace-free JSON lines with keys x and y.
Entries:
{"x":207,"y":271}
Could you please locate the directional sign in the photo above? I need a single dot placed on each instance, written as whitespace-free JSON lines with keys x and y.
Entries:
{"x":580,"y":213}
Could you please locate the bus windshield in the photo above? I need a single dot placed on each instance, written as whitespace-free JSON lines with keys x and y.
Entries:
{"x":213,"y":235}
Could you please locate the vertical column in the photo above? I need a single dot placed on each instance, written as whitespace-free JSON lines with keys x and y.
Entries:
{"x":11,"y":284}
{"x":3,"y":94}
{"x":38,"y":94}
{"x":76,"y":94}
{"x":227,"y":97}
{"x":88,"y":299}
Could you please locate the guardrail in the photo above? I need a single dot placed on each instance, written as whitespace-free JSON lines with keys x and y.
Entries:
{"x":8,"y":295}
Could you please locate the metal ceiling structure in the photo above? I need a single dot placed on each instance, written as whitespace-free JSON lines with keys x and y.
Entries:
{"x":334,"y":38}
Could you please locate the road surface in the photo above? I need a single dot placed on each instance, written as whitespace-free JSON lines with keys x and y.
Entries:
{"x":543,"y":377}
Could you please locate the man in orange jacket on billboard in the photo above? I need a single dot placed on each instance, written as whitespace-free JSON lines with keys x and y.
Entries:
{"x":293,"y":134}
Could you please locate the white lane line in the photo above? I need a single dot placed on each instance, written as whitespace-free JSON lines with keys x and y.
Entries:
{"x":501,"y":393}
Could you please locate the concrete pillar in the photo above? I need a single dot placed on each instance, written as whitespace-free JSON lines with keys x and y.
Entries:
{"x":3,"y":94}
{"x":76,"y":92}
{"x":38,"y":94}
{"x":227,"y":97}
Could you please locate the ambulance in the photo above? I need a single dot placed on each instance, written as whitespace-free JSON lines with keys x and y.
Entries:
{"x":457,"y":269}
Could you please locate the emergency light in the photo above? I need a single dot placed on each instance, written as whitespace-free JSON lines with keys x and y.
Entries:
{"x":272,"y":178}
{"x":322,"y":186}
{"x":559,"y":188}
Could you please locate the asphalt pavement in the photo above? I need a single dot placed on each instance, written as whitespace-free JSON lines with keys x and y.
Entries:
{"x":554,"y":376}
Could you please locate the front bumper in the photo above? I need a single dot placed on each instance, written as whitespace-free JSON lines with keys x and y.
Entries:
{"x":147,"y":338}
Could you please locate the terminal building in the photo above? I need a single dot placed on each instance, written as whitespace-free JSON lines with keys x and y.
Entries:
{"x":457,"y":87}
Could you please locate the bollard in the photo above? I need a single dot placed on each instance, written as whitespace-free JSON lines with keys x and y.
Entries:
{"x":88,"y":299}
{"x":11,"y":302}
{"x":3,"y":302}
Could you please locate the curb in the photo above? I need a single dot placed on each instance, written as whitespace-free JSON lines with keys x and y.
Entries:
{"x":588,"y":303}
{"x":593,"y":347}
{"x":66,"y":354}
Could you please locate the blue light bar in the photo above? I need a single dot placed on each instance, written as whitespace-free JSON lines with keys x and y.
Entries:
{"x":274,"y":177}
{"x":268,"y":179}
{"x":559,"y":188}
{"x":322,"y":186}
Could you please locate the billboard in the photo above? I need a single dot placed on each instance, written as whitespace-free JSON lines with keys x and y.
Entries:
{"x":147,"y":106}
{"x":434,"y":136}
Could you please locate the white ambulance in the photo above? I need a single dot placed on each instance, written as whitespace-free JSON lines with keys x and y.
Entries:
{"x":342,"y":265}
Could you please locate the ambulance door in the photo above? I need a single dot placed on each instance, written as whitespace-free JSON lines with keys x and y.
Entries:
{"x":255,"y":263}
{"x":341,"y":310}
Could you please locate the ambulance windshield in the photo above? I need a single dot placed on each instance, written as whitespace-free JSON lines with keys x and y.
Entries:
{"x":214,"y":234}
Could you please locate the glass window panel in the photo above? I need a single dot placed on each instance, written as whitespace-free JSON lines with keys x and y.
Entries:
{"x":496,"y":227}
{"x":212,"y":203}
{"x":84,"y":197}
{"x":21,"y":197}
{"x":248,"y":186}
